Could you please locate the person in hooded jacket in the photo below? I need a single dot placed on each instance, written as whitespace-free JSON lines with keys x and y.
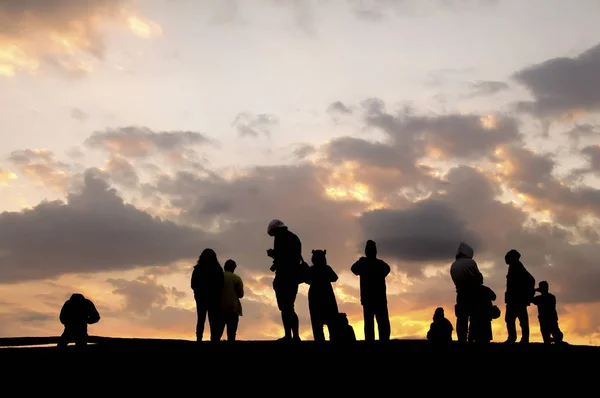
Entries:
{"x":76,"y":314}
{"x":322,"y":304}
{"x":287,"y":258}
{"x":207,"y":284}
{"x":467,"y":279}
{"x":373,"y":296}
{"x":520,"y":289}
{"x":231,"y":307}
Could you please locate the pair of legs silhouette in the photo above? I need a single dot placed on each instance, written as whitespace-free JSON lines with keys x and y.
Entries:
{"x":380,"y":313}
{"x":286,"y":291}
{"x":514,"y":312}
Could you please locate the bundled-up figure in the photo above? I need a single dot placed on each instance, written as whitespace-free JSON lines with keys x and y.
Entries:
{"x":440,"y":330}
{"x":484,"y":311}
{"x":321,"y":297}
{"x":547,"y":315}
{"x":75,"y":315}
{"x":341,"y":330}
{"x":520,"y":289}
{"x":233,"y":291}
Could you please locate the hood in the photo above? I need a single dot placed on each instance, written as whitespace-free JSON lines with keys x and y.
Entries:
{"x":465,"y":249}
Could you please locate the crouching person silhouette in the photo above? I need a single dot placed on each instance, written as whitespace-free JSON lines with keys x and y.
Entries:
{"x":341,"y":330}
{"x":76,"y":314}
{"x":440,"y":330}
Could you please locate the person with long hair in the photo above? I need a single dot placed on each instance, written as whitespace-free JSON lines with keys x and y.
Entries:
{"x":207,"y":284}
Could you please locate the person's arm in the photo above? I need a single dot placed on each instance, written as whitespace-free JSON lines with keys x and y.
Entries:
{"x":333,"y":277}
{"x":194,"y":281}
{"x":477,"y":274}
{"x":93,"y":315}
{"x":385,"y":268}
{"x":64,"y":314}
{"x":239,"y":288}
{"x":357,"y":266}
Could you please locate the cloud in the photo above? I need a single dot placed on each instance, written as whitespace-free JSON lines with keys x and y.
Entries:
{"x":140,"y":142}
{"x":376,"y":10}
{"x":79,"y":115}
{"x":482,"y":88}
{"x":141,"y":294}
{"x":6,"y":176}
{"x":427,"y":231}
{"x":94,"y":231}
{"x":42,"y":167}
{"x":563,"y":86}
{"x":303,"y":151}
{"x":122,"y":172}
{"x":64,"y":34}
{"x":249,"y":125}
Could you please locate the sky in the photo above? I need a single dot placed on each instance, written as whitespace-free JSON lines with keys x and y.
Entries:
{"x":137,"y":133}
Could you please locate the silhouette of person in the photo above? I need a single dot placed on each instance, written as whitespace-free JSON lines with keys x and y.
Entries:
{"x":322,"y":304}
{"x":520,"y":289}
{"x":482,"y":315}
{"x":341,"y":330}
{"x":76,"y":314}
{"x":467,"y":279}
{"x":440,"y":330}
{"x":547,"y":315}
{"x":287,"y":257}
{"x":231,"y":307}
{"x":207,"y":284}
{"x":373,"y":296}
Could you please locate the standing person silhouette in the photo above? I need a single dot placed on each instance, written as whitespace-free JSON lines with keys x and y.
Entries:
{"x":231,"y":307}
{"x":520,"y":289}
{"x":207,"y":284}
{"x":373,"y":296}
{"x":287,"y":257}
{"x":467,"y":279}
{"x":76,"y":314}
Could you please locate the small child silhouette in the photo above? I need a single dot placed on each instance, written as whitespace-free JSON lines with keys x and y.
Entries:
{"x":547,"y":315}
{"x":441,"y":329}
{"x":341,"y":330}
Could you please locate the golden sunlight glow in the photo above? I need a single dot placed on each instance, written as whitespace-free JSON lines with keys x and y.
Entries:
{"x":14,"y":59}
{"x":144,"y":28}
{"x":489,"y":122}
{"x":6,"y":176}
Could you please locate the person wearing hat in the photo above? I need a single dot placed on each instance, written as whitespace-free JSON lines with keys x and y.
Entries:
{"x":287,"y":258}
{"x":520,"y":289}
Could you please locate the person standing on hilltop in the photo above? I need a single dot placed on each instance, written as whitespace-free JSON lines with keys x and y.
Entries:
{"x":373,"y":296}
{"x":467,"y":279}
{"x":207,"y":284}
{"x":231,"y":307}
{"x":287,"y":258}
{"x":520,"y":289}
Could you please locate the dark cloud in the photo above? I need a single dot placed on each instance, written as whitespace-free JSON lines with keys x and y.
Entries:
{"x":563,"y":86}
{"x":303,"y":151}
{"x":339,"y":107}
{"x":139,"y":142}
{"x":94,"y":231}
{"x":592,"y":153}
{"x":583,"y":131}
{"x":458,"y":137}
{"x":141,"y":294}
{"x":428,"y":231}
{"x":255,"y":125}
{"x":481,"y":88}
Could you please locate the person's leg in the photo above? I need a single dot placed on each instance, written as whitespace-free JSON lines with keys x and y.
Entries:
{"x":546,"y":332}
{"x":510,"y":319}
{"x":81,"y":339}
{"x":524,"y":323}
{"x":557,"y":334}
{"x":232,"y":325}
{"x":293,"y":317}
{"x":462,"y":323}
{"x":369,"y":322}
{"x":215,"y":321}
{"x":383,"y":322}
{"x":65,"y":339}
{"x":280,"y":295}
{"x":201,"y":311}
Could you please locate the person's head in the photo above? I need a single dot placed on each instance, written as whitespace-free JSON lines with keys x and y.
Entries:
{"x":438,"y":314}
{"x":371,"y":249}
{"x":76,"y":297}
{"x":464,"y":251}
{"x":319,"y":257}
{"x":274,"y":227}
{"x":543,"y":287}
{"x":208,"y":257}
{"x":230,"y":265}
{"x":512,"y":257}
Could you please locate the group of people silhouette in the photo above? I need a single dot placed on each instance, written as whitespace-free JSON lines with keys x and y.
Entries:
{"x":217,"y":293}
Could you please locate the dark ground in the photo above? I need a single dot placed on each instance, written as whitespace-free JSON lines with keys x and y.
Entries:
{"x":300,"y":368}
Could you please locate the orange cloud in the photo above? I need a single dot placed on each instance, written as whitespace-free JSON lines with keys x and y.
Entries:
{"x":65,"y":34}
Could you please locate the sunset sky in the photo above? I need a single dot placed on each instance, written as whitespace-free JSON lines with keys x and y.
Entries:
{"x":134,"y":134}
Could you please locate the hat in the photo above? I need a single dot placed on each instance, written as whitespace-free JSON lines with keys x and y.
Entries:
{"x":273,"y":225}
